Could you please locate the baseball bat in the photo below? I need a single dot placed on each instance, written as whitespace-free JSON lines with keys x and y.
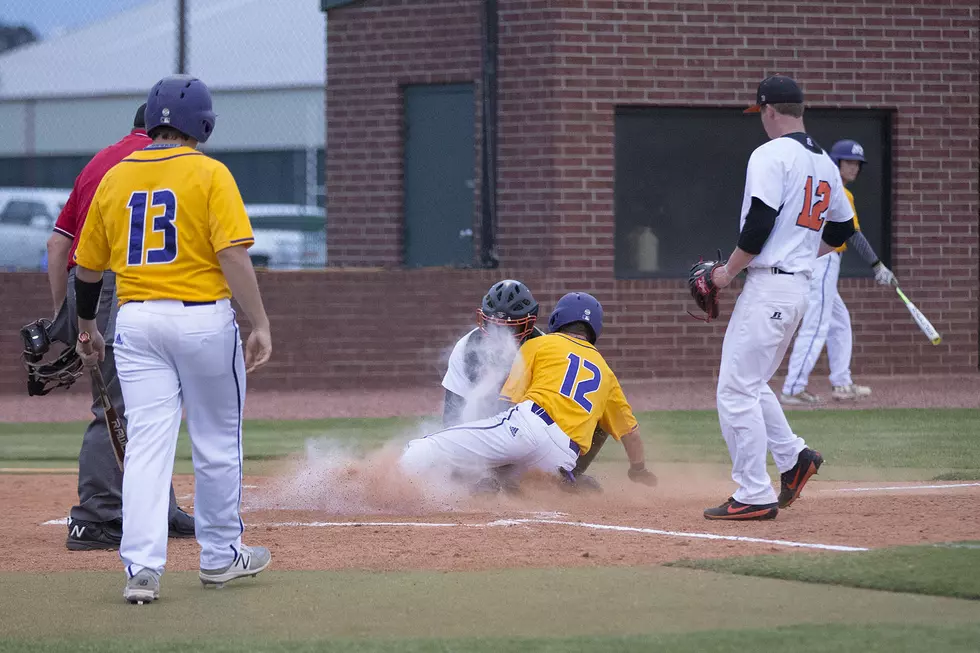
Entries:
{"x":117,"y":430}
{"x":920,"y":319}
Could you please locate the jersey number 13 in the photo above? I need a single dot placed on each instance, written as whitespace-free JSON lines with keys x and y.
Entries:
{"x":162,"y":223}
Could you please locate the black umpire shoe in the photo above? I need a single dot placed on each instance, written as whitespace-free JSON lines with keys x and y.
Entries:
{"x":181,"y":525}
{"x":93,"y":536}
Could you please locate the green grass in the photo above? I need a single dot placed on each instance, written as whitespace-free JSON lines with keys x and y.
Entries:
{"x":923,"y":442}
{"x":959,"y":475}
{"x":750,"y":608}
{"x":818,"y":638}
{"x":578,"y":609}
{"x":938,"y":570}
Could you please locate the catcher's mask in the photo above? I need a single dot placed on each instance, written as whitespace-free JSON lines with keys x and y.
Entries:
{"x":511,"y":305}
{"x":522,"y":326}
{"x":43,"y":377}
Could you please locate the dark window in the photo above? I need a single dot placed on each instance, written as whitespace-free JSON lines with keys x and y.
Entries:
{"x":41,"y":171}
{"x":680,"y":174}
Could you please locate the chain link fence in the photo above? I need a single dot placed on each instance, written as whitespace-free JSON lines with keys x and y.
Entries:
{"x":72,"y":75}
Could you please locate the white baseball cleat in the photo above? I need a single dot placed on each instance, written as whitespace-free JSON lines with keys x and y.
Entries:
{"x":248,"y":561}
{"x":142,"y":588}
{"x":849,"y":392}
{"x":802,"y":398}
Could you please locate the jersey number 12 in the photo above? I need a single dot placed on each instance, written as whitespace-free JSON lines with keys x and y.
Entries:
{"x":578,"y":392}
{"x":811,"y":216}
{"x":161,"y":223}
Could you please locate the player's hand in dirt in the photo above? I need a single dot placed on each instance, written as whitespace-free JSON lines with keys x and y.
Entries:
{"x":258,"y":349}
{"x":638,"y":473}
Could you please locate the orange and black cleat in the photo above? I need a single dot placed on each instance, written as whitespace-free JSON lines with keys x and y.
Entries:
{"x":736,"y":510}
{"x":792,"y":481}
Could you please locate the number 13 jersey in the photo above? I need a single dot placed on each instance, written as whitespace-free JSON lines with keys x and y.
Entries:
{"x":794,"y":176}
{"x":158,"y":219}
{"x":571,"y":381}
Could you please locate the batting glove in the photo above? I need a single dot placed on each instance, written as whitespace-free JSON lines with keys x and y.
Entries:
{"x":883,"y":275}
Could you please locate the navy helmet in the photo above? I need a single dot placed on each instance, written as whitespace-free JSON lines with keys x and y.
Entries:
{"x":182,"y":102}
{"x":577,"y":307}
{"x":847,"y":150}
{"x":509,"y":303}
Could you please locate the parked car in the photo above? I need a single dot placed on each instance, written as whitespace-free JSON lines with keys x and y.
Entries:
{"x":288,"y":236}
{"x":27,"y":216}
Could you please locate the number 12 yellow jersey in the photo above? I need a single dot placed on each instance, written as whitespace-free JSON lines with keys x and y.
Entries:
{"x":158,"y":220}
{"x":569,"y":379}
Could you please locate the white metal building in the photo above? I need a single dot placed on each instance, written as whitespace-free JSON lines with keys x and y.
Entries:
{"x":63,"y":99}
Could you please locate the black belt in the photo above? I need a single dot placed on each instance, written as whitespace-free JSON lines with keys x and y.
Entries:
{"x":778,"y":271}
{"x":210,"y":303}
{"x":546,"y":418}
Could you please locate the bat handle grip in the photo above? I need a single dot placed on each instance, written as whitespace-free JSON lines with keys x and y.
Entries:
{"x":85,"y":340}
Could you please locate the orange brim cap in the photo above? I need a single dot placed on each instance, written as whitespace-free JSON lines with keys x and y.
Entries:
{"x":755,"y":108}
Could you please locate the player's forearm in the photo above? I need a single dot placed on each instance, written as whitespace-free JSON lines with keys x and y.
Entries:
{"x":88,"y":289}
{"x":861,"y":245}
{"x":738,"y":261}
{"x":634,"y":448}
{"x":58,"y":248}
{"x":238,"y":271}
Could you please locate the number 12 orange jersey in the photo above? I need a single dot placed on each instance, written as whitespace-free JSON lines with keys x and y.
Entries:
{"x":569,"y":379}
{"x":158,"y":220}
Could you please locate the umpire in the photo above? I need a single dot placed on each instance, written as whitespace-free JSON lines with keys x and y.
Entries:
{"x":96,"y":522}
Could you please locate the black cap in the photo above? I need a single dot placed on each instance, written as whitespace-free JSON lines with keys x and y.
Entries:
{"x":139,"y":122}
{"x":777,"y":89}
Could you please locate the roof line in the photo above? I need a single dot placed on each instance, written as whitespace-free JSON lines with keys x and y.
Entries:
{"x":142,"y":92}
{"x":327,"y":5}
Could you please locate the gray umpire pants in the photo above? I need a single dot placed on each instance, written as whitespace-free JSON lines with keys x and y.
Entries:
{"x":99,"y":478}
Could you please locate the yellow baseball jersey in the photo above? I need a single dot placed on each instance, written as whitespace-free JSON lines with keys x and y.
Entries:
{"x":857,"y":226}
{"x":569,"y":379}
{"x":158,"y":219}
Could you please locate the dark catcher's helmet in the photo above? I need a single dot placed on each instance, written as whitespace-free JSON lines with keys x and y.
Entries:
{"x":510,"y":304}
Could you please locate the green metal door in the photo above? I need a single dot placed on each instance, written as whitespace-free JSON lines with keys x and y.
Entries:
{"x":439,"y":175}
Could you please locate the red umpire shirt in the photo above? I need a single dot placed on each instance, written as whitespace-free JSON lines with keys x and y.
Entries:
{"x":72,"y":216}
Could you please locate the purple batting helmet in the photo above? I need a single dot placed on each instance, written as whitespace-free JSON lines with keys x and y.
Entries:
{"x":577,"y":307}
{"x":847,"y":150}
{"x":182,"y":102}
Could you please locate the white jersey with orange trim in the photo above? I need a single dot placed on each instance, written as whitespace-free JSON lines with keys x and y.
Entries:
{"x":796,"y":177}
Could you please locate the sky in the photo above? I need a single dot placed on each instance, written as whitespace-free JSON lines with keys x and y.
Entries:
{"x":50,"y":17}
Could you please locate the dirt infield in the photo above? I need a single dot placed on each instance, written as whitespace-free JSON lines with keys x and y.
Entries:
{"x":626,"y":525}
{"x":667,"y":394}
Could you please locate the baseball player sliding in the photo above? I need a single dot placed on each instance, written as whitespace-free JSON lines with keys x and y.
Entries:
{"x":171,"y":223}
{"x":794,"y":210}
{"x":827,"y":319}
{"x":558,"y":390}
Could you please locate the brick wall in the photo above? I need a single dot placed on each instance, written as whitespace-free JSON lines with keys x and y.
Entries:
{"x":373,"y":50}
{"x":562,"y":71}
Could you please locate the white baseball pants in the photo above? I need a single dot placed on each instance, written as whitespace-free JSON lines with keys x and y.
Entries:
{"x":751,"y":418}
{"x":826,"y":321}
{"x":171,"y":356}
{"x":522,"y":436}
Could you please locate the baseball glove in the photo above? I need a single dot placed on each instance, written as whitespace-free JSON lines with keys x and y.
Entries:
{"x":703,"y":289}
